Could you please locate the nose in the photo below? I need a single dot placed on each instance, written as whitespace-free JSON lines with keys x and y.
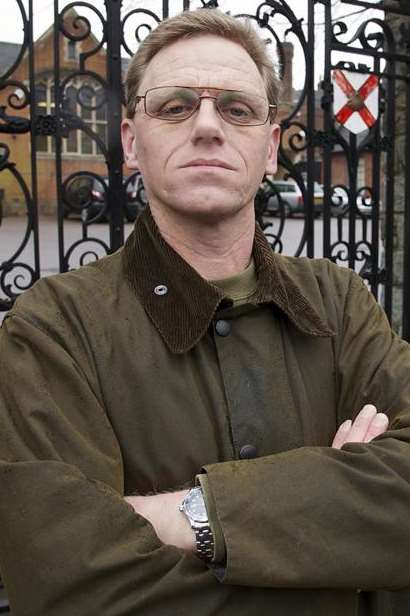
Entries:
{"x":207,"y":123}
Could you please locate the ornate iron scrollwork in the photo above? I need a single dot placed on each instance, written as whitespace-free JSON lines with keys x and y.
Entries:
{"x":15,"y":120}
{"x":355,"y":238}
{"x":14,"y":125}
{"x":46,"y":125}
{"x":352,"y":205}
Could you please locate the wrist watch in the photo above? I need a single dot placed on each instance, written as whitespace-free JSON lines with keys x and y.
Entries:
{"x":194,"y":508}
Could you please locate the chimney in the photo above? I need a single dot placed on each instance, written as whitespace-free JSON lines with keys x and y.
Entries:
{"x":287,"y":69}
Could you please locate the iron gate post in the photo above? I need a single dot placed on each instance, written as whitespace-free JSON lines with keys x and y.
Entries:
{"x":33,"y":135}
{"x":114,"y":112}
{"x":311,"y":103}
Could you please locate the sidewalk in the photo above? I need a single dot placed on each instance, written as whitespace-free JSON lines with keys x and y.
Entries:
{"x":12,"y":233}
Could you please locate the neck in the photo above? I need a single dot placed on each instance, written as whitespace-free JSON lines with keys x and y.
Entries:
{"x":216,"y":249}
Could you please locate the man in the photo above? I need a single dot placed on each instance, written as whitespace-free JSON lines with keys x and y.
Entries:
{"x":197,"y":357}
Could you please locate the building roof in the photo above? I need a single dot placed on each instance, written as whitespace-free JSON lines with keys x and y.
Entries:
{"x":8,"y":54}
{"x":10,"y":51}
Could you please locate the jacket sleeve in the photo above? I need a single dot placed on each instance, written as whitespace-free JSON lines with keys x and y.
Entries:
{"x":69,"y":542}
{"x":317,"y":517}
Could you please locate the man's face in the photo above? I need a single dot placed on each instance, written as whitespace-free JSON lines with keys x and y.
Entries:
{"x":167,"y":154}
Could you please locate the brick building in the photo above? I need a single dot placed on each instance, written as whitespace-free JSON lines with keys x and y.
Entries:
{"x":80,"y":151}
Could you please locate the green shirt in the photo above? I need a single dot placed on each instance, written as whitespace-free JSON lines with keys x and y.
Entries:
{"x":240,"y":287}
{"x":120,"y":378}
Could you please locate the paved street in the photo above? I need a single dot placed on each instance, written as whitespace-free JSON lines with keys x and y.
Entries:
{"x":12,"y":233}
{"x":13,"y":229}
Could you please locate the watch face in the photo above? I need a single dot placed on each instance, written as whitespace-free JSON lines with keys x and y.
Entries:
{"x":195,"y":506}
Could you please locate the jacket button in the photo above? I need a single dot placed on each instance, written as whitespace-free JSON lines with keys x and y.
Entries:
{"x":247,"y":452}
{"x":161,"y":289}
{"x":223,"y":328}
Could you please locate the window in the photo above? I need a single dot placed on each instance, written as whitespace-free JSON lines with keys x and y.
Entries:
{"x":72,"y":49}
{"x":81,"y":100}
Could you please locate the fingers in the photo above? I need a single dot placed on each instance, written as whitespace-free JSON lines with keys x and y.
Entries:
{"x":367,"y":425}
{"x":362,"y":424}
{"x":341,"y":434}
{"x":378,"y":425}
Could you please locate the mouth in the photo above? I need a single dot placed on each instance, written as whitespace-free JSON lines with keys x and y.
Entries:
{"x":202,"y":162}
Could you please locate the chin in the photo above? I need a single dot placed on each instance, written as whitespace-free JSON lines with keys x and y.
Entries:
{"x":209,"y":206}
{"x":208,"y":211}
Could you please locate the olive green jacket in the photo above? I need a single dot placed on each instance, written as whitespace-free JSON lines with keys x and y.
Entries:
{"x":111,"y":386}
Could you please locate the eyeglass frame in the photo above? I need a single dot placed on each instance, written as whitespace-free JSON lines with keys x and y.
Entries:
{"x":271,"y":107}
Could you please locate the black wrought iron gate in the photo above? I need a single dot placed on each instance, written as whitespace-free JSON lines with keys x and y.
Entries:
{"x":73,"y":106}
{"x":60,"y":114}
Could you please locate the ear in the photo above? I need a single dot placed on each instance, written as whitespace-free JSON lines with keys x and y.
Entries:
{"x":272,"y":157}
{"x":128,"y":139}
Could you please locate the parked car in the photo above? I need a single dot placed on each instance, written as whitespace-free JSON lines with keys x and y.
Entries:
{"x":286,"y":196}
{"x":86,"y":196}
{"x":277,"y":196}
{"x":96,"y":210}
{"x":318,"y":198}
{"x":136,"y":196}
{"x":135,"y":202}
{"x":76,"y":194}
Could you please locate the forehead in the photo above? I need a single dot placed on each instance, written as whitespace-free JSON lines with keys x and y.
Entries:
{"x":203,"y":61}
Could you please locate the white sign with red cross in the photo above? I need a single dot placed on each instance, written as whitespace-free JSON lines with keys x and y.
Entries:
{"x":356,"y":100}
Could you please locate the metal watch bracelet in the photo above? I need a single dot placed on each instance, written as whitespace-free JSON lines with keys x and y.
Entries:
{"x":204,"y":542}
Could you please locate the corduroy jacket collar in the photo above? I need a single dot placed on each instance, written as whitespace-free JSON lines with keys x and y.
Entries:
{"x":187,"y":305}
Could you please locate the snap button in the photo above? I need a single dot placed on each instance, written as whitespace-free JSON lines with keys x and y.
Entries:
{"x":222,"y":328}
{"x":226,"y":303}
{"x":161,"y":289}
{"x":247,"y":452}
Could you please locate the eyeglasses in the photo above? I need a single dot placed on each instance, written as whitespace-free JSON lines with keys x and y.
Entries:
{"x":178,"y":103}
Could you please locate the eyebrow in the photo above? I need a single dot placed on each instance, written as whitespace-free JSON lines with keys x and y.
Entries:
{"x":209,"y":89}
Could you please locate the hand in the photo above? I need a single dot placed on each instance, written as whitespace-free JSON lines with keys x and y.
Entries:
{"x":170,"y":524}
{"x":367,"y":425}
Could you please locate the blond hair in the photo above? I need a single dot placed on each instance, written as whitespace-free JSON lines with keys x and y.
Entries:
{"x":195,"y":23}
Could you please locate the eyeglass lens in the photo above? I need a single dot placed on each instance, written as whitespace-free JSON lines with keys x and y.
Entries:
{"x":179,"y":103}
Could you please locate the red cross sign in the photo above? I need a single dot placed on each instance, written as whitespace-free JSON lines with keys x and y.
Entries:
{"x":356,"y":100}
